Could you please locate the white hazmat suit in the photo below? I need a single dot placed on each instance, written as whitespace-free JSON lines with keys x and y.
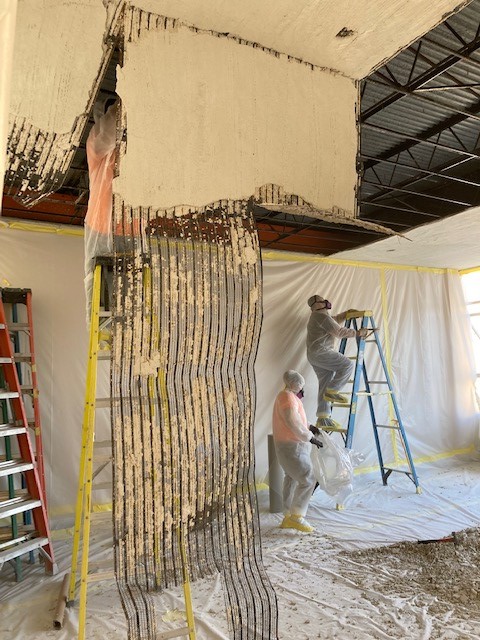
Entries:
{"x":331,"y":367}
{"x":293,"y":447}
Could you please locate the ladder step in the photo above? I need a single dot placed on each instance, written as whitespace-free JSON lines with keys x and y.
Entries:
{"x":15,"y":326}
{"x":104,"y":355}
{"x":10,"y":467}
{"x":22,"y":357}
{"x":174,"y":633}
{"x":11,"y":430}
{"x":20,"y":548}
{"x":378,"y":393}
{"x":387,"y":426}
{"x":101,"y":486}
{"x":101,"y":575}
{"x":6,"y":361}
{"x":104,"y":314}
{"x":8,"y":395}
{"x":19,"y":504}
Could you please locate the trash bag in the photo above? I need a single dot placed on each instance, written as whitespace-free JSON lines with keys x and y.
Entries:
{"x":333,"y":467}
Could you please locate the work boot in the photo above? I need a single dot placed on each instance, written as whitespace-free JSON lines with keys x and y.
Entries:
{"x":296,"y":522}
{"x":329,"y":424}
{"x":334,"y":396}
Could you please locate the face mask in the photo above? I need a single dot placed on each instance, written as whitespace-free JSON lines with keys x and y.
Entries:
{"x":328,"y":304}
{"x":300,"y":394}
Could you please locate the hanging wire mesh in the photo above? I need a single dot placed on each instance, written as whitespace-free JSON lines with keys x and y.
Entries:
{"x":186,"y":330}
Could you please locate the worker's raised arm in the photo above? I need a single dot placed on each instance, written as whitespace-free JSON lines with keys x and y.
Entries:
{"x":332,"y":327}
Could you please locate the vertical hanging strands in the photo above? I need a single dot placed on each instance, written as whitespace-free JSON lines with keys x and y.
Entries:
{"x":186,"y":329}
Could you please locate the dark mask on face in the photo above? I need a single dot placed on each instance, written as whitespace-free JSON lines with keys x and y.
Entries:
{"x":300,"y":394}
{"x":328,"y":304}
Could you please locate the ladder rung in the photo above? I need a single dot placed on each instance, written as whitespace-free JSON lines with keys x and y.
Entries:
{"x":26,"y":388}
{"x":101,"y":575}
{"x":6,"y":360}
{"x":396,"y":470}
{"x":19,"y":504}
{"x":10,"y":467}
{"x":21,"y":548}
{"x":104,"y":314}
{"x":387,"y":426}
{"x":22,"y":357}
{"x":2,"y":326}
{"x":377,"y":382}
{"x":11,"y":430}
{"x":8,"y":395}
{"x":15,"y":326}
{"x":103,"y":457}
{"x":174,"y":633}
{"x":370,"y":393}
{"x":102,"y":403}
{"x":101,"y":486}
{"x":102,"y":444}
{"x":104,"y":355}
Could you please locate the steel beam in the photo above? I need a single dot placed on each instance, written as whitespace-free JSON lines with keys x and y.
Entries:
{"x":423,"y":78}
{"x":414,"y":212}
{"x":416,"y":193}
{"x":427,"y":173}
{"x":414,"y":140}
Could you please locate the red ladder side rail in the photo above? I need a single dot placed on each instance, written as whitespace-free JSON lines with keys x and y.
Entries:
{"x":32,"y":479}
{"x":36,"y":404}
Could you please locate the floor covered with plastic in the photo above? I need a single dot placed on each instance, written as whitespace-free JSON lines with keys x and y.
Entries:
{"x":341,"y":581}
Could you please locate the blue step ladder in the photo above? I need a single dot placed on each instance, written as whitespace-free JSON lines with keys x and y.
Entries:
{"x":364,"y":319}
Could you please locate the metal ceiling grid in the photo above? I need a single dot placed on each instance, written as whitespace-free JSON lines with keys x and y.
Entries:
{"x":420,"y":128}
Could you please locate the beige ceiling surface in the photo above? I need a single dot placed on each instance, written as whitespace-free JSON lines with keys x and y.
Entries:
{"x":452,"y":243}
{"x":307,"y":29}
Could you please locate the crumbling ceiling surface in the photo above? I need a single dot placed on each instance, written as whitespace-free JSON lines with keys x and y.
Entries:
{"x":419,"y":114}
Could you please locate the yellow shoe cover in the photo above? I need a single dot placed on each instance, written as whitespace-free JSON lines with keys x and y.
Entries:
{"x":296,"y":522}
{"x":334,"y":396}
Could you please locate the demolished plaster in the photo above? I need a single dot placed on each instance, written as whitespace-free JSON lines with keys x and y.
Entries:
{"x":209,"y":117}
{"x":308,"y":29}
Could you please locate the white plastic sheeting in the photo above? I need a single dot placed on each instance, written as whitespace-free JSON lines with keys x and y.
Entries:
{"x":433,"y":371}
{"x":317,"y":597}
{"x":432,"y":363}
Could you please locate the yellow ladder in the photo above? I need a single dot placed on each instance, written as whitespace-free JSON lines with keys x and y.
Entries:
{"x":99,"y":320}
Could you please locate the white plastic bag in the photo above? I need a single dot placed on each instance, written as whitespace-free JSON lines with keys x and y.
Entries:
{"x":333,"y":467}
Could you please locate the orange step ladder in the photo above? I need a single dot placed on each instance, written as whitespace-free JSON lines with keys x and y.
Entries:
{"x":18,"y":464}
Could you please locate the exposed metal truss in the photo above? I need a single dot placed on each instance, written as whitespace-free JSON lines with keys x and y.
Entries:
{"x":420,"y":128}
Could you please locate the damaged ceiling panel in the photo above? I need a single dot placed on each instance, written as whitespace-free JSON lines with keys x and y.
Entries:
{"x":60,"y":54}
{"x":212,"y":117}
{"x":350,"y":37}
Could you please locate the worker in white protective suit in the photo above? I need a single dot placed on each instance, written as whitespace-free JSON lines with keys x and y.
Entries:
{"x":293,"y":441}
{"x":333,"y":369}
{"x":100,"y":146}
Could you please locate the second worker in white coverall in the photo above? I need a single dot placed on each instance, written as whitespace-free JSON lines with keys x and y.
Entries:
{"x":332,"y":368}
{"x":293,"y":443}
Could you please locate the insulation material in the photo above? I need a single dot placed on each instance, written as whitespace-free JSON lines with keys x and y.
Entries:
{"x":309,"y":30}
{"x":59,"y":59}
{"x":8,"y":12}
{"x":186,"y":328}
{"x":210,"y":116}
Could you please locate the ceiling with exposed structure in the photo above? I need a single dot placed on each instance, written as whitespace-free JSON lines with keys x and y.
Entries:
{"x":419,"y":121}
